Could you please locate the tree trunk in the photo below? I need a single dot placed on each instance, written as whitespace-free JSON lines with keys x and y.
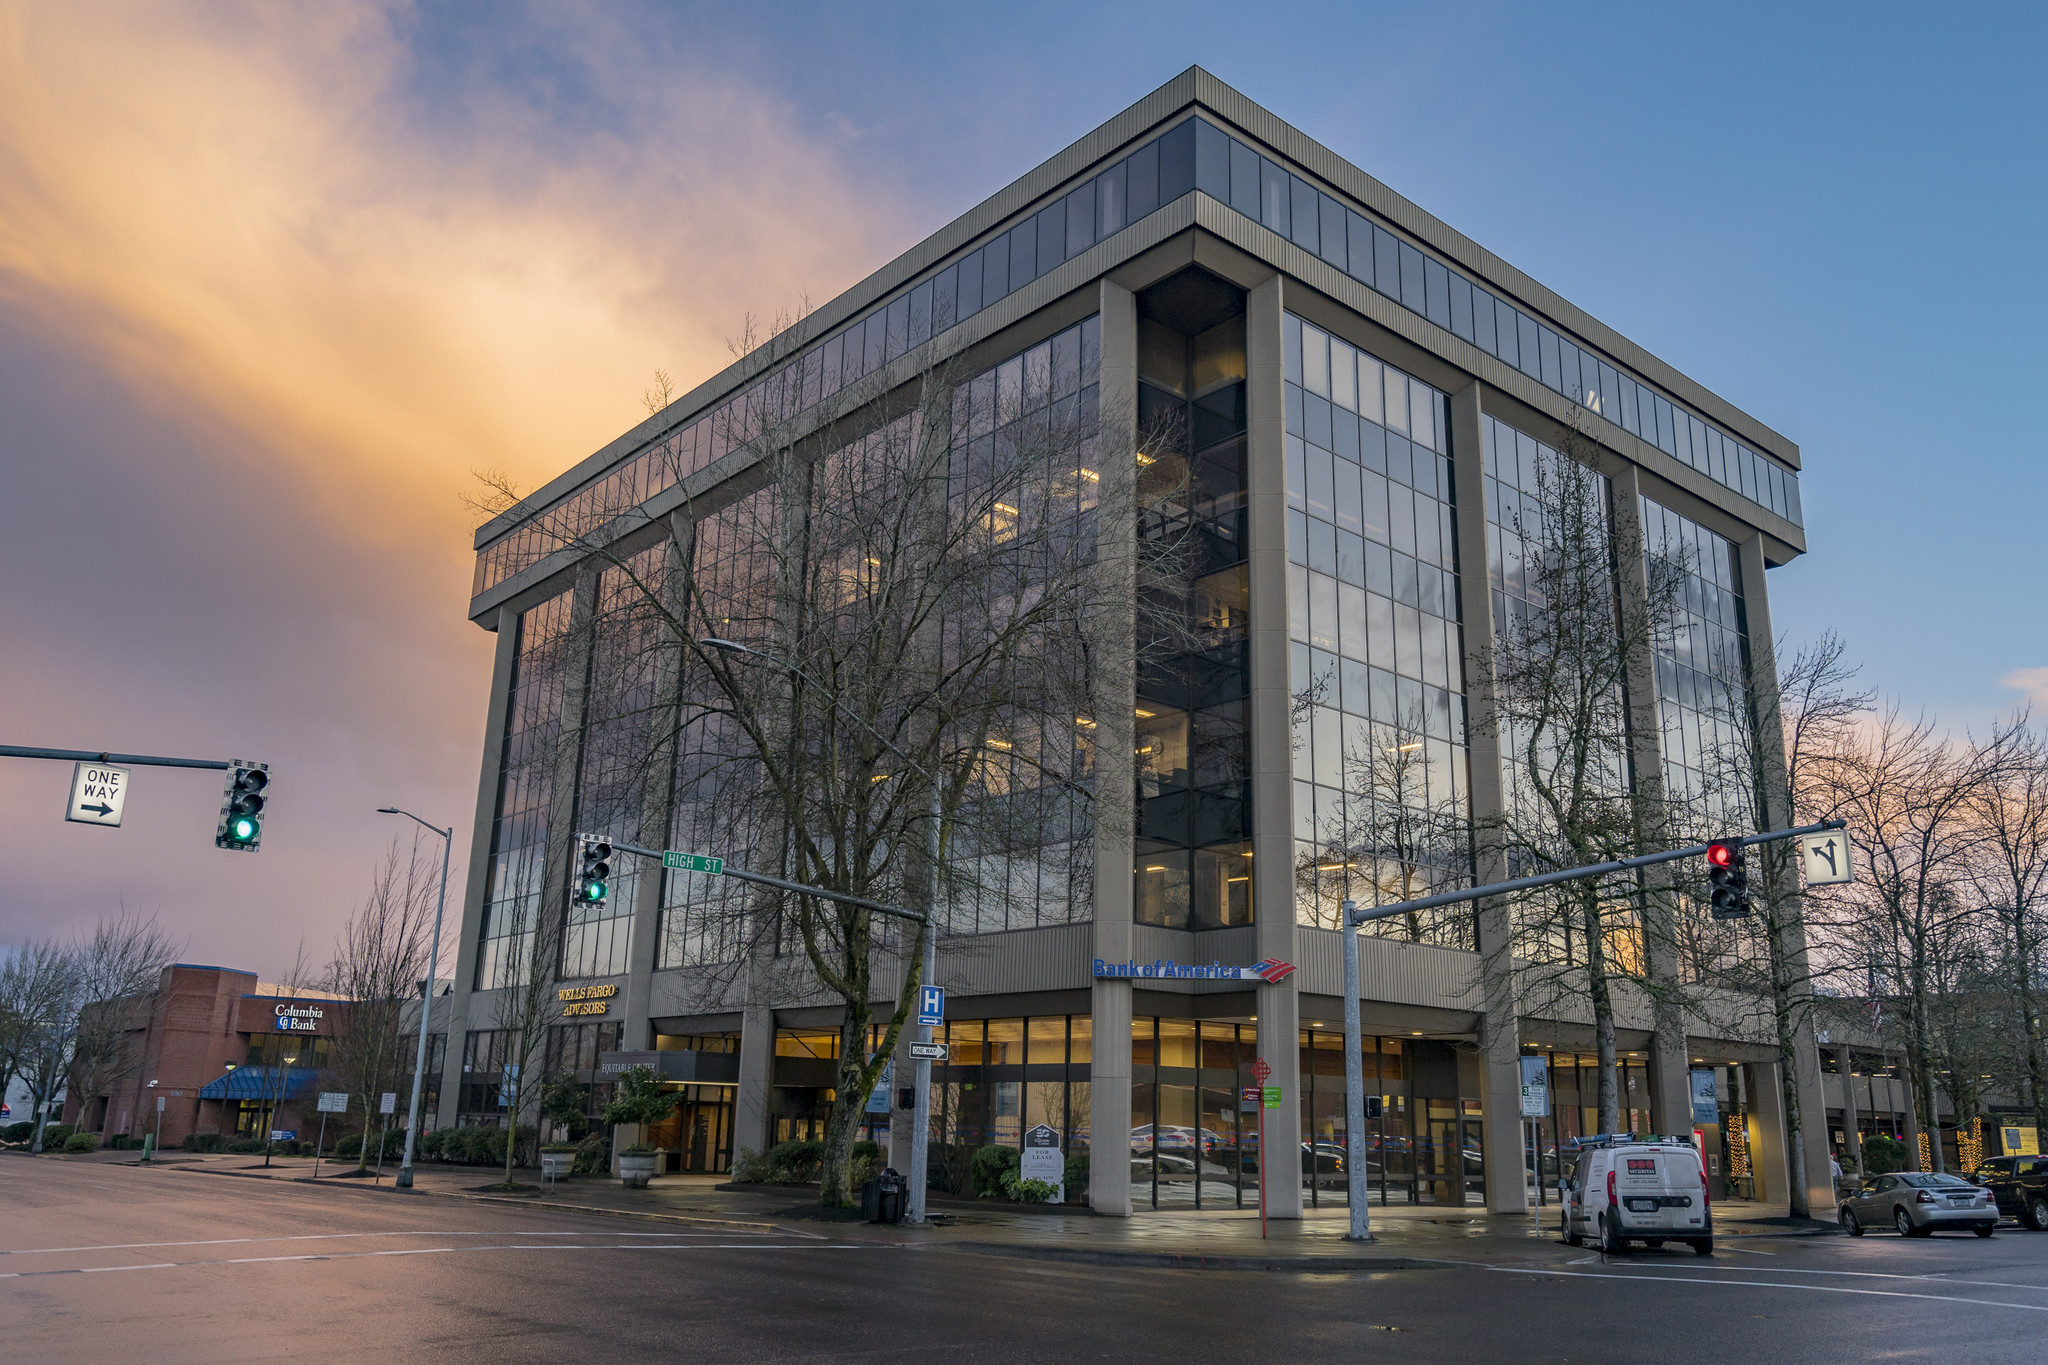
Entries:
{"x":1601,"y":997}
{"x":2037,"y":1072}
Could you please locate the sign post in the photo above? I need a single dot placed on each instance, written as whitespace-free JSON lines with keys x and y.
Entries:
{"x":158,"y":1145}
{"x":1042,"y":1160}
{"x":1260,"y":1071}
{"x":386,"y":1104}
{"x":331,"y":1102}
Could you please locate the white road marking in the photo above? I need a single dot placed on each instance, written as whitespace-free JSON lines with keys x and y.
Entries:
{"x":1747,"y":1251}
{"x":436,"y":1251}
{"x":1932,"y":1277}
{"x":336,"y":1236}
{"x":1772,"y":1284}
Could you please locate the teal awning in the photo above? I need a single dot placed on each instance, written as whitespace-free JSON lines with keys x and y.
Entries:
{"x":261,"y":1083}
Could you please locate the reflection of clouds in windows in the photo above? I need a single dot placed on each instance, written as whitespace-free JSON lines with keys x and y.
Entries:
{"x":1382,"y":810}
{"x":533,"y":721}
{"x":1702,"y":665}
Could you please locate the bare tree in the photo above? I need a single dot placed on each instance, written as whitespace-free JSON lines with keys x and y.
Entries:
{"x":379,"y":960}
{"x":114,"y":973}
{"x":1910,"y":794}
{"x":920,"y":577}
{"x":35,"y":984}
{"x":1561,"y":662}
{"x":1810,"y":709}
{"x":2010,"y":878}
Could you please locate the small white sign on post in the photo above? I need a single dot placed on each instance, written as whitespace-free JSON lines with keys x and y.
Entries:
{"x":1825,"y":858}
{"x":98,"y":792}
{"x":387,"y":1103}
{"x":333,"y":1102}
{"x":159,"y":1104}
{"x":1535,"y":1087}
{"x":1044,"y":1161}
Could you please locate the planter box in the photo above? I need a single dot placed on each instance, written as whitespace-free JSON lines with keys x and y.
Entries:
{"x":557,"y":1165}
{"x":636,"y":1170}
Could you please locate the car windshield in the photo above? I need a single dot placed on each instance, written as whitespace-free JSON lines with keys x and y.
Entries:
{"x":1923,"y":1180}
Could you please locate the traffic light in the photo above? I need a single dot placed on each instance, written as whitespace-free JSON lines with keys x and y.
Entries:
{"x":593,"y":879}
{"x":1728,"y":871}
{"x":241,"y":808}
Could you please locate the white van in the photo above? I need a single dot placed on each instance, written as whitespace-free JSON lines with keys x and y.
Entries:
{"x":1620,"y":1188}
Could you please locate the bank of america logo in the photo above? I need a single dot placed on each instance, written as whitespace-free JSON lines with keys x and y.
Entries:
{"x":1272,"y":970}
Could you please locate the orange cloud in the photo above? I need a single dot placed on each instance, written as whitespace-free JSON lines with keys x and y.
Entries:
{"x":253,"y":211}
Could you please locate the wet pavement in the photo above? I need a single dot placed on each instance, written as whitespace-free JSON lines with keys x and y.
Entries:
{"x":101,"y":1259}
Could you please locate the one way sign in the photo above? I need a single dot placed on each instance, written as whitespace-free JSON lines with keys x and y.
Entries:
{"x":98,"y":791}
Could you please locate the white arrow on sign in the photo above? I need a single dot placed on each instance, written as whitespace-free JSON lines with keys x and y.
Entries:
{"x":98,"y":791}
{"x":1825,"y":858}
{"x":928,"y":1052}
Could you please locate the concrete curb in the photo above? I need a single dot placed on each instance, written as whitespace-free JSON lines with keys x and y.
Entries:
{"x":1171,"y":1260}
{"x":521,"y":1202}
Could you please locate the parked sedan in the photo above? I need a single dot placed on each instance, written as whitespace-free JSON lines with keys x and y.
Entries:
{"x":2020,"y":1185}
{"x":1917,"y":1203}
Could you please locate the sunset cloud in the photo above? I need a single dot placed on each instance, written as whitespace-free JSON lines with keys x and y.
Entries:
{"x":273,"y":281}
{"x":2032,"y":681}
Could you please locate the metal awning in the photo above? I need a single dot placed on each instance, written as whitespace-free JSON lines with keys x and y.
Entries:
{"x":261,"y":1083}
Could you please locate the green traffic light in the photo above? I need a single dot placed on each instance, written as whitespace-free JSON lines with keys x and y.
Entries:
{"x":594,"y":891}
{"x":243,"y":829}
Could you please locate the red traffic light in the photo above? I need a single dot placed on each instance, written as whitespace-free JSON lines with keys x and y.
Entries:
{"x":1721,"y":855}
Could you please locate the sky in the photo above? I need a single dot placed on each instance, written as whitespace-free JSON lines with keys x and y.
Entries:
{"x":275,"y":281}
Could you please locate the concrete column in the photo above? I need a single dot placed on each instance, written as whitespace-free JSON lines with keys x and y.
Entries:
{"x":1850,"y":1118}
{"x":1500,"y":1044}
{"x":1109,"y":1175}
{"x":750,"y":1118}
{"x":1767,"y":1154}
{"x":1789,"y":927}
{"x":1271,"y":753}
{"x":450,"y":1014}
{"x":1670,"y":1100}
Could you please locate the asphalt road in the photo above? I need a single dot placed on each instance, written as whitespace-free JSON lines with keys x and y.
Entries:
{"x":101,"y":1262}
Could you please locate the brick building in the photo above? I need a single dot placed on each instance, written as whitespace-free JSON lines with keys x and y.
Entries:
{"x":222,"y":1050}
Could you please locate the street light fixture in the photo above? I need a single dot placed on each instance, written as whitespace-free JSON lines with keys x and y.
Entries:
{"x":419,"y":1065}
{"x":921,"y":1113}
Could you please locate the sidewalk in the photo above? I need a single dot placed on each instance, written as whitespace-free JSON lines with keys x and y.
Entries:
{"x":1404,"y":1236}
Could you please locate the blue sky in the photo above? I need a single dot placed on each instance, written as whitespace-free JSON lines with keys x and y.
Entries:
{"x":273,"y":282}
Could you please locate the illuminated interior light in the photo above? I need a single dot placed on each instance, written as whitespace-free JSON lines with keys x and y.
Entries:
{"x":1143,"y":714}
{"x":1160,"y":868}
{"x":999,"y":744}
{"x":1089,"y":475}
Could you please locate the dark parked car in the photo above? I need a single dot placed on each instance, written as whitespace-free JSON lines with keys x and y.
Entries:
{"x":2020,"y":1185}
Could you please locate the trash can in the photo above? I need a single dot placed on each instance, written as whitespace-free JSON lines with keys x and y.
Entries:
{"x":881,"y":1199}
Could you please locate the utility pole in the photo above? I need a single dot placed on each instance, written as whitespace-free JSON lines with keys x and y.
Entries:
{"x":419,"y":1066}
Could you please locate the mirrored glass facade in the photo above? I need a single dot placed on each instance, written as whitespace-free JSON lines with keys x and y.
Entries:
{"x":1381,"y":805}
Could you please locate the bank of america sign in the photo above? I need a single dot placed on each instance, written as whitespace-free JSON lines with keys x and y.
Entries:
{"x":1270,"y":970}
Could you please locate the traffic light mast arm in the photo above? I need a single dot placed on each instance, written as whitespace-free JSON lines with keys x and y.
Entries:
{"x":1573,"y":874}
{"x":123,"y":760}
{"x":801,"y":888}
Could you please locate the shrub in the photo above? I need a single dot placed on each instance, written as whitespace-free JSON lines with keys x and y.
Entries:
{"x":82,"y":1142}
{"x":796,"y":1162}
{"x":749,"y":1167}
{"x":1882,"y":1155}
{"x":640,"y":1098}
{"x":56,"y":1135}
{"x":1030,"y":1191}
{"x":592,"y":1154}
{"x":434,"y":1145}
{"x":349,"y":1146}
{"x":991,"y":1167}
{"x":18,"y":1132}
{"x":204,"y":1142}
{"x":245,"y":1145}
{"x":867,"y":1162}
{"x":1077,"y":1175}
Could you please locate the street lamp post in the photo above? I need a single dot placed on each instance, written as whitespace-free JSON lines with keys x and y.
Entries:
{"x":921,"y":1114}
{"x":419,"y":1065}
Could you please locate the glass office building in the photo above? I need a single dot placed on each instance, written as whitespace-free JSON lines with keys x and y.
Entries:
{"x":1354,"y":403}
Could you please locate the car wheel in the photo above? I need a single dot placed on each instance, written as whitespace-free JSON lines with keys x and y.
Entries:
{"x":2037,"y":1213}
{"x":1703,"y":1247}
{"x":1985,"y":1231}
{"x":1612,"y":1242}
{"x":1903,"y":1221}
{"x":1850,"y":1224}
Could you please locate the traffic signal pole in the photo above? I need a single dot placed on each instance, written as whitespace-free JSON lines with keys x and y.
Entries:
{"x":1354,"y":1069}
